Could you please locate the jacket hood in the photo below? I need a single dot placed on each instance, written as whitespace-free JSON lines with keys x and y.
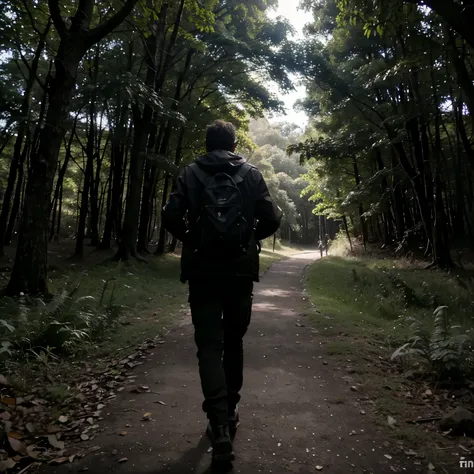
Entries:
{"x":220,"y":161}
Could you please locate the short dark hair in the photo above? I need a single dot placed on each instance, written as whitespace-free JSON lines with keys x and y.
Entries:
{"x":220,"y":135}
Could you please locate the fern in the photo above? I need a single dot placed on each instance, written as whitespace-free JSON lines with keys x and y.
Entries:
{"x":63,"y":325}
{"x":56,"y":306}
{"x":447,"y":353}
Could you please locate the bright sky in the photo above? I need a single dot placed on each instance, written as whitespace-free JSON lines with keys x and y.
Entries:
{"x":298,"y":18}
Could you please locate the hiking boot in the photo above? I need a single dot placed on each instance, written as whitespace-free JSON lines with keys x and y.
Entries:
{"x":234,"y":421}
{"x":222,"y":451}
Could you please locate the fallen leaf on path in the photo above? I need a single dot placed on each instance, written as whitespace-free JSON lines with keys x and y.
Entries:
{"x":319,"y":468}
{"x":5,"y":416}
{"x":54,"y":442}
{"x":123,"y":433}
{"x":31,"y":427}
{"x":8,"y":401}
{"x":100,"y":406}
{"x":51,"y":429}
{"x":431,"y":467}
{"x":7,"y":464}
{"x":60,"y":460}
{"x":18,"y":446}
{"x":146,"y":416}
{"x":32,"y":453}
{"x":63,"y":419}
{"x":15,"y":434}
{"x":354,"y":388}
{"x":3,"y":381}
{"x":123,"y":460}
{"x":161,"y":403}
{"x":362,"y":412}
{"x":410,"y":452}
{"x":388,"y":456}
{"x":84,"y":437}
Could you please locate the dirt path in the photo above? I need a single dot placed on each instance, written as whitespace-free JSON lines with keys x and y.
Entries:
{"x":289,"y":424}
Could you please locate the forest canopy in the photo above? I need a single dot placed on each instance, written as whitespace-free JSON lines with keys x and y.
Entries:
{"x":104,"y":103}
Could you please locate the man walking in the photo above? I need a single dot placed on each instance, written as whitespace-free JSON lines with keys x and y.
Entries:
{"x":220,"y":209}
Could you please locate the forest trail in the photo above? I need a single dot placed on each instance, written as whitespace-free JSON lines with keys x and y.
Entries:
{"x":289,"y":424}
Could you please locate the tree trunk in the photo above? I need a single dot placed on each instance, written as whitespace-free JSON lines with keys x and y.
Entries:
{"x":160,"y":250}
{"x":459,"y":17}
{"x":29,"y":273}
{"x":22,"y":131}
{"x":17,"y":200}
{"x":113,"y":218}
{"x":54,"y":233}
{"x":346,"y":228}
{"x":84,"y":207}
{"x":141,"y":122}
{"x":363,"y":221}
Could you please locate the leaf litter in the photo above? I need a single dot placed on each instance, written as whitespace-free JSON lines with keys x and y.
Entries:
{"x":31,"y":427}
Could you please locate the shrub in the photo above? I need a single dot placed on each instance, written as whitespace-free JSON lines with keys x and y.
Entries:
{"x":444,"y":348}
{"x":63,"y":325}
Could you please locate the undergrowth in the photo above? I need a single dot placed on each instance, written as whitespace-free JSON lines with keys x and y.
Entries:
{"x":34,"y":327}
{"x":428,"y":314}
{"x":97,"y":309}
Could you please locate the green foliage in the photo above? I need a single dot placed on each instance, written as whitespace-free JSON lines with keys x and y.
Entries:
{"x":378,"y":93}
{"x":61,"y":326}
{"x":369,"y":296}
{"x":445,"y":348}
{"x":284,"y":177}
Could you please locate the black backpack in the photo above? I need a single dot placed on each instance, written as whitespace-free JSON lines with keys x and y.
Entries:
{"x":221,"y":228}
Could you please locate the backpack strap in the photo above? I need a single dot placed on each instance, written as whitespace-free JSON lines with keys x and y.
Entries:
{"x":205,"y":178}
{"x":243,"y":171}
{"x":201,"y":175}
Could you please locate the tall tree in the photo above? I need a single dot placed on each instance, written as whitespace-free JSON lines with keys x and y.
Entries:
{"x":29,"y":273}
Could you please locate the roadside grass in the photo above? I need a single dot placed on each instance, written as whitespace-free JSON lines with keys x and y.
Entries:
{"x":361,"y":306}
{"x":149,"y":295}
{"x":143,"y":300}
{"x":371,"y":297}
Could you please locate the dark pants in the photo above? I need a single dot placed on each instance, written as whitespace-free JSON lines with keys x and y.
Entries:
{"x":221,"y":312}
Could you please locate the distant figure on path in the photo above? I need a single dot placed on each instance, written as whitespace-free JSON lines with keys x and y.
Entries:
{"x":220,"y":209}
{"x":326,"y":243}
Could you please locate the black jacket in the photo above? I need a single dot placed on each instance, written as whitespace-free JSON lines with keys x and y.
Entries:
{"x":182,"y":211}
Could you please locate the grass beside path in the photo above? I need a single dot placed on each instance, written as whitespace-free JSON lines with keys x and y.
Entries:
{"x":362,"y":310}
{"x":151,"y":295}
{"x":113,"y":305}
{"x":373,"y":295}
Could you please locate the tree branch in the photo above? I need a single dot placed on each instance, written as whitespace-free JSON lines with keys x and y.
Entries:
{"x":455,"y":15}
{"x":30,"y":16}
{"x":107,"y":26}
{"x":58,"y":21}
